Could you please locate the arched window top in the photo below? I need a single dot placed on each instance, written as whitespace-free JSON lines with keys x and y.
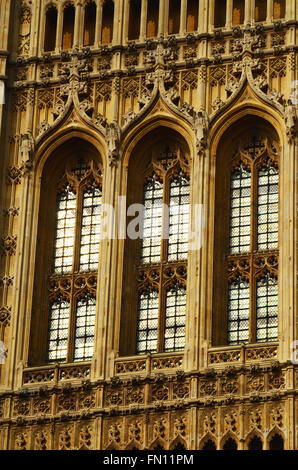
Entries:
{"x":68,"y":26}
{"x":50,"y":28}
{"x":70,"y":227}
{"x":230,"y":444}
{"x":276,"y":442}
{"x":255,"y":443}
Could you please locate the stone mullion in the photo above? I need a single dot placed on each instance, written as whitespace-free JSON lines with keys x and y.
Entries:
{"x":143,"y":26}
{"x":126,"y":15}
{"x":98,"y":23}
{"x":211,"y":5}
{"x":59,"y":27}
{"x":247,"y":12}
{"x":229,"y":14}
{"x":35,"y":30}
{"x":183,"y":15}
{"x":78,"y":17}
{"x":163,"y":260}
{"x":107,"y":329}
{"x":253,"y":250}
{"x":269,"y":11}
{"x":203,"y":17}
{"x":117,"y":24}
{"x":162,"y":26}
{"x":195,"y":335}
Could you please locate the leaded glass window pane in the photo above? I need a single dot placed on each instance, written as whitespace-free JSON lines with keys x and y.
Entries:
{"x":58,"y":330}
{"x":267,"y":309}
{"x":65,"y":232}
{"x":152,"y":221}
{"x":238,"y":312}
{"x":179,"y":219}
{"x":91,"y":225}
{"x":84,"y":331}
{"x":175,"y":319}
{"x":268,"y":208}
{"x":240,"y":211}
{"x":147,"y":322}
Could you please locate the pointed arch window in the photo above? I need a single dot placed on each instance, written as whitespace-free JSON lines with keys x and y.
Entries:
{"x":68,"y":27}
{"x":253,"y":243}
{"x":174,"y":16}
{"x":192,"y":15}
{"x":261,"y":10}
{"x":152,"y":18}
{"x":220,"y":13}
{"x":135,"y":7}
{"x":50,"y":29}
{"x":72,"y":283}
{"x":161,"y":272}
{"x":238,"y":12}
{"x":107,"y":22}
{"x":279,"y":9}
{"x":89,"y":24}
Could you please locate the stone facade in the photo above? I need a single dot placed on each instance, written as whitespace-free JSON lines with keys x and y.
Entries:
{"x":112,"y":91}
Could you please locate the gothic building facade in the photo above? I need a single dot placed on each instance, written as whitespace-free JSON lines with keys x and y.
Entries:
{"x":112,"y":341}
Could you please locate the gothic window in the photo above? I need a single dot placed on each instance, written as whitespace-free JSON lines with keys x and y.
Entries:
{"x":246,"y":250}
{"x":174,"y":16}
{"x":163,"y":255}
{"x":220,"y":11}
{"x":192,"y":15}
{"x":152,"y":18}
{"x":255,"y":444}
{"x":230,"y":444}
{"x":89,"y":24}
{"x":72,"y":282}
{"x":68,"y":27}
{"x":279,"y":9}
{"x":261,"y":10}
{"x":209,"y":445}
{"x":238,"y":12}
{"x":276,"y":443}
{"x":107,"y":22}
{"x":252,"y":260}
{"x":50,"y":30}
{"x":134,"y":19}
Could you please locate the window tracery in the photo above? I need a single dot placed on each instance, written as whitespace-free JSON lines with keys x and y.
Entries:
{"x":253,"y":242}
{"x":163,"y":253}
{"x":72,"y":283}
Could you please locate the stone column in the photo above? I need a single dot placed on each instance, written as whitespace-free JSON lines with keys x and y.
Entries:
{"x":247,"y":12}
{"x":183,"y":13}
{"x":162,"y":28}
{"x":269,"y":11}
{"x":98,"y":23}
{"x":229,"y":17}
{"x":59,"y":28}
{"x":78,"y":15}
{"x":143,"y":27}
{"x":211,"y":15}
